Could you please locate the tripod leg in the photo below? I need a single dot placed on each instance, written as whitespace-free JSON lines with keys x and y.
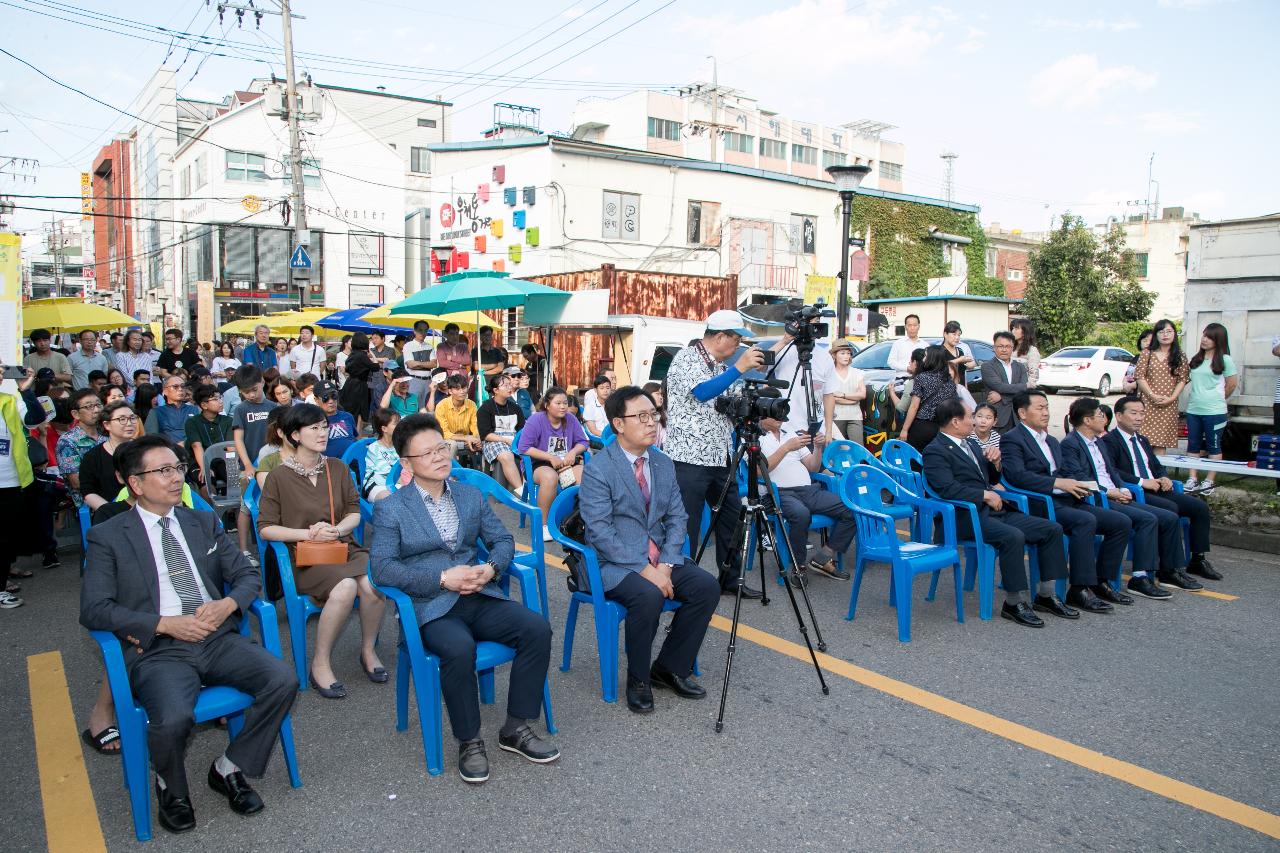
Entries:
{"x":760,"y":555}
{"x":791,"y":584}
{"x":733,"y":629}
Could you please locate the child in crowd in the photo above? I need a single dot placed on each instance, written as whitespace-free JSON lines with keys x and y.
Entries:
{"x":381,"y":456}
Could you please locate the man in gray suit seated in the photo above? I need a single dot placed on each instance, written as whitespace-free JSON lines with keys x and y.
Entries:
{"x":636,"y":524}
{"x":424,"y":543}
{"x":1003,"y":378}
{"x":154,"y":576}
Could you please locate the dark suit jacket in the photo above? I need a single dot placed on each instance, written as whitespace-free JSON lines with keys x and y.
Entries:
{"x":120,"y":590}
{"x":954,"y":477}
{"x":1078,"y":463}
{"x":1024,"y":466}
{"x":409,"y":554}
{"x":993,"y":377}
{"x":1114,"y":447}
{"x":618,"y":525}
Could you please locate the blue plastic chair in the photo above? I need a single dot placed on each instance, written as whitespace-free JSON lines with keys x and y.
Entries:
{"x":354,"y":459}
{"x":608,"y":436}
{"x":609,"y":615}
{"x":817,"y":521}
{"x":1140,"y":496}
{"x":878,"y":542}
{"x":414,"y":662}
{"x":536,"y":557}
{"x":841,"y":455}
{"x":211,"y":704}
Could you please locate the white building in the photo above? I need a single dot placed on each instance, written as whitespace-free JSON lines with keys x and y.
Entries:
{"x":236,"y":239}
{"x":723,"y":125}
{"x":57,"y":259}
{"x":376,"y":136}
{"x":1159,"y":248}
{"x":531,"y":205}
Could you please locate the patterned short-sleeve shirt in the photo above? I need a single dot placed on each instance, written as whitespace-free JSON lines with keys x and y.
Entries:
{"x":696,"y":433}
{"x":71,"y":448}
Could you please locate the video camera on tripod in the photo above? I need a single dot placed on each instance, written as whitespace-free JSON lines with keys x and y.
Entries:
{"x":799,"y":323}
{"x":761,"y":398}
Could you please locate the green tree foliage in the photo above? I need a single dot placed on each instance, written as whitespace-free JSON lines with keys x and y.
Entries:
{"x":904,"y":258}
{"x":1077,"y":280}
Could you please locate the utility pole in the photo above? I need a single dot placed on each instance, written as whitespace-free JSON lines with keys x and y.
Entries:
{"x":297,"y":200}
{"x":715,"y":106}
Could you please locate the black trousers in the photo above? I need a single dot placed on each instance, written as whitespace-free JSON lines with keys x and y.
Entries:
{"x":453,"y":639}
{"x":921,"y":433}
{"x":696,"y":590}
{"x":10,"y":507}
{"x":801,"y":503}
{"x":1009,"y":533}
{"x":167,"y":679}
{"x":1157,"y":537}
{"x":1186,"y":506}
{"x":701,"y":484}
{"x":1080,"y":522}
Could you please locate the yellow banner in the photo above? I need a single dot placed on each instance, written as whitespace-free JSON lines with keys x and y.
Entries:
{"x":86,"y":196}
{"x":10,"y":298}
{"x":819,"y":287}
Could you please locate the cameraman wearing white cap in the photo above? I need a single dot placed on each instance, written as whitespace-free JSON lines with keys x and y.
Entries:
{"x":700,"y":439}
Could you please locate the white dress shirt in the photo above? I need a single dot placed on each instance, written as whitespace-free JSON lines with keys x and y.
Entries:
{"x":963,"y":444}
{"x":1007,"y":366}
{"x":170,"y":603}
{"x":1133,"y":460}
{"x":1099,"y":464}
{"x":1042,"y":441}
{"x":790,"y":472}
{"x":823,"y":372}
{"x":900,"y":352}
{"x":631,"y":460}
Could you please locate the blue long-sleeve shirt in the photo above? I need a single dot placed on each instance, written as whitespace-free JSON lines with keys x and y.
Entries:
{"x":716,"y":385}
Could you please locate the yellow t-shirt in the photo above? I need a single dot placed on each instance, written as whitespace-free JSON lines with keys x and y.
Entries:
{"x":457,"y":421}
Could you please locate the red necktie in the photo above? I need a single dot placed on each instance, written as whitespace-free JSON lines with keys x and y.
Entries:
{"x":654,"y":551}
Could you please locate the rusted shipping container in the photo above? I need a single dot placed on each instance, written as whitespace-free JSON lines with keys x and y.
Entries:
{"x":579,"y":356}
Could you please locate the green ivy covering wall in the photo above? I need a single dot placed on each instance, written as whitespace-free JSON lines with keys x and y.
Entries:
{"x":903,"y":258}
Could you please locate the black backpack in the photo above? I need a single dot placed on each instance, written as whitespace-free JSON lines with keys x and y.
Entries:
{"x":576,"y":529}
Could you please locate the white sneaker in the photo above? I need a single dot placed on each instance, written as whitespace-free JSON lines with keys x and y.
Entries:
{"x":546,"y":534}
{"x":1191,"y":486}
{"x":516,"y":493}
{"x":1206,"y":488}
{"x":8,"y":601}
{"x":252,"y":558}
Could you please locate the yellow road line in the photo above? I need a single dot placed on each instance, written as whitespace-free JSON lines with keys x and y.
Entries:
{"x":1207,"y":593}
{"x":1123,"y":771}
{"x":70,"y":814}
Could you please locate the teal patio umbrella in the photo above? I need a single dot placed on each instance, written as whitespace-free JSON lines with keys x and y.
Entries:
{"x":481,"y":291}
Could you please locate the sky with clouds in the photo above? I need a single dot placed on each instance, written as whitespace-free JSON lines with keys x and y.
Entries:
{"x":1050,"y":106}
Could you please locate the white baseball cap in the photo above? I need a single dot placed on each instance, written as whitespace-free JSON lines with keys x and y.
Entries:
{"x":728,"y":320}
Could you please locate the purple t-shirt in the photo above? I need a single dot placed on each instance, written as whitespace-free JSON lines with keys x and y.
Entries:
{"x":539,"y":434}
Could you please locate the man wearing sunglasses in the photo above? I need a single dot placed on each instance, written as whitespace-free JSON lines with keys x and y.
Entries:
{"x":342,"y":426}
{"x":172,"y":585}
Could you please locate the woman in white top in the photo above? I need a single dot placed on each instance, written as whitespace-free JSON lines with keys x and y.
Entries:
{"x":848,"y":391}
{"x":225,"y":360}
{"x":1024,"y":335}
{"x":340,"y":360}
{"x":306,"y":357}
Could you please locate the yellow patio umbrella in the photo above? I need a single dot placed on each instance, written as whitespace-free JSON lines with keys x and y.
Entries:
{"x":246,"y":325}
{"x":71,"y":314}
{"x":280,"y":323}
{"x":466,"y":320}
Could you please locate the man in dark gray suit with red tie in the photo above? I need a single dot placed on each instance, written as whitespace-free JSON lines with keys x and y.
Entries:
{"x":636,"y":523}
{"x":155,"y":577}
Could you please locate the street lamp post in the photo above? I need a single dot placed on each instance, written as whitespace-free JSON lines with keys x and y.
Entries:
{"x":847,"y":180}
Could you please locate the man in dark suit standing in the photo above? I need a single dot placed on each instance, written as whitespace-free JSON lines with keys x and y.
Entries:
{"x":956,"y":468}
{"x":635,"y":520}
{"x":154,"y":576}
{"x":424,"y":543}
{"x":1032,"y":461}
{"x":1004,"y":378}
{"x":1131,"y":454}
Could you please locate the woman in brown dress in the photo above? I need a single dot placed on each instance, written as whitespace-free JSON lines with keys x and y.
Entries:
{"x":295,"y":508}
{"x":1161,"y":375}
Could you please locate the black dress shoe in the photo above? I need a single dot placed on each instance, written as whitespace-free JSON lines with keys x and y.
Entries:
{"x":336,"y":690}
{"x":1180,"y":579}
{"x":1106,"y":593}
{"x":378,"y":675}
{"x":233,"y":786}
{"x":524,"y":742}
{"x":1201,"y":567}
{"x":684,"y":687}
{"x":1022,"y":614}
{"x":1148,"y":588}
{"x":1053,"y":604}
{"x":639,"y":696}
{"x":729,"y":586}
{"x":176,"y":814}
{"x":473,"y":762}
{"x":1083,"y":598}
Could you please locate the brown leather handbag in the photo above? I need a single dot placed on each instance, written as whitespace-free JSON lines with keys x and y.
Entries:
{"x":312,"y":553}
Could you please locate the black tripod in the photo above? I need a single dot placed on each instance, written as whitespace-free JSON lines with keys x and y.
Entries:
{"x":754,"y":516}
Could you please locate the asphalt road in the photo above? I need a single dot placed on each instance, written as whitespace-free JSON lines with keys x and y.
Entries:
{"x":1186,"y":689}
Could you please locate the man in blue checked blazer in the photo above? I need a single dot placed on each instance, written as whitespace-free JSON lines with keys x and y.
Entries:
{"x":635,"y":519}
{"x":424,"y":543}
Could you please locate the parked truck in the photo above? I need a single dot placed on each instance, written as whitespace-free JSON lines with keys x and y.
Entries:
{"x":1233,"y":278}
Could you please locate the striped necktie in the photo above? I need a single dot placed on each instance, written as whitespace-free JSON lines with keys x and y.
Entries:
{"x":180,"y":570}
